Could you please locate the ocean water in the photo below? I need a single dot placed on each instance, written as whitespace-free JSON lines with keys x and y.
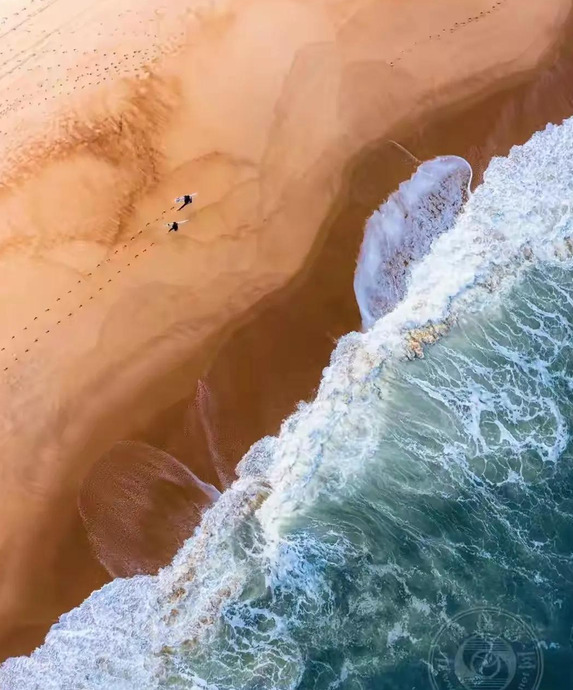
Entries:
{"x":412,"y":527}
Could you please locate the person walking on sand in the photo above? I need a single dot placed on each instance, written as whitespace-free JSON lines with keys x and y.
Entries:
{"x":174,"y":225}
{"x":187,"y":199}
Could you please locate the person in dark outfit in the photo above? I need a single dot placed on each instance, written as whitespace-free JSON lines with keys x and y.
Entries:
{"x":187,"y":199}
{"x":175,"y":225}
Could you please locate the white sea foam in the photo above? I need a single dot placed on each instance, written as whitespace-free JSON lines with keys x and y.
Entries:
{"x":135,"y":633}
{"x":401,"y":231}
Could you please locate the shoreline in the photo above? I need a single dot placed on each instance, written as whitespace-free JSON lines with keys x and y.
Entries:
{"x":455,"y":129}
{"x":364,"y":188}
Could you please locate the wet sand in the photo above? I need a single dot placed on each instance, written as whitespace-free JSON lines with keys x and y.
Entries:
{"x":93,"y":385}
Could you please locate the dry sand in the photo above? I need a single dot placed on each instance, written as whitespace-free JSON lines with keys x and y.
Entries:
{"x":111,"y":111}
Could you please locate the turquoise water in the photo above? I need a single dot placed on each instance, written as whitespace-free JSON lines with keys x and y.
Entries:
{"x":411,"y":528}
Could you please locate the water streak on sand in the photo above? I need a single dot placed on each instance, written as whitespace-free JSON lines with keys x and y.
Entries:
{"x":139,"y":505}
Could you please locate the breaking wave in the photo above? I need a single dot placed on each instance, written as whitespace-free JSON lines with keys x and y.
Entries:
{"x":431,"y":474}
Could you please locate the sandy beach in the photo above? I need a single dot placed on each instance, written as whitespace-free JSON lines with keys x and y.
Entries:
{"x":281,"y":116}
